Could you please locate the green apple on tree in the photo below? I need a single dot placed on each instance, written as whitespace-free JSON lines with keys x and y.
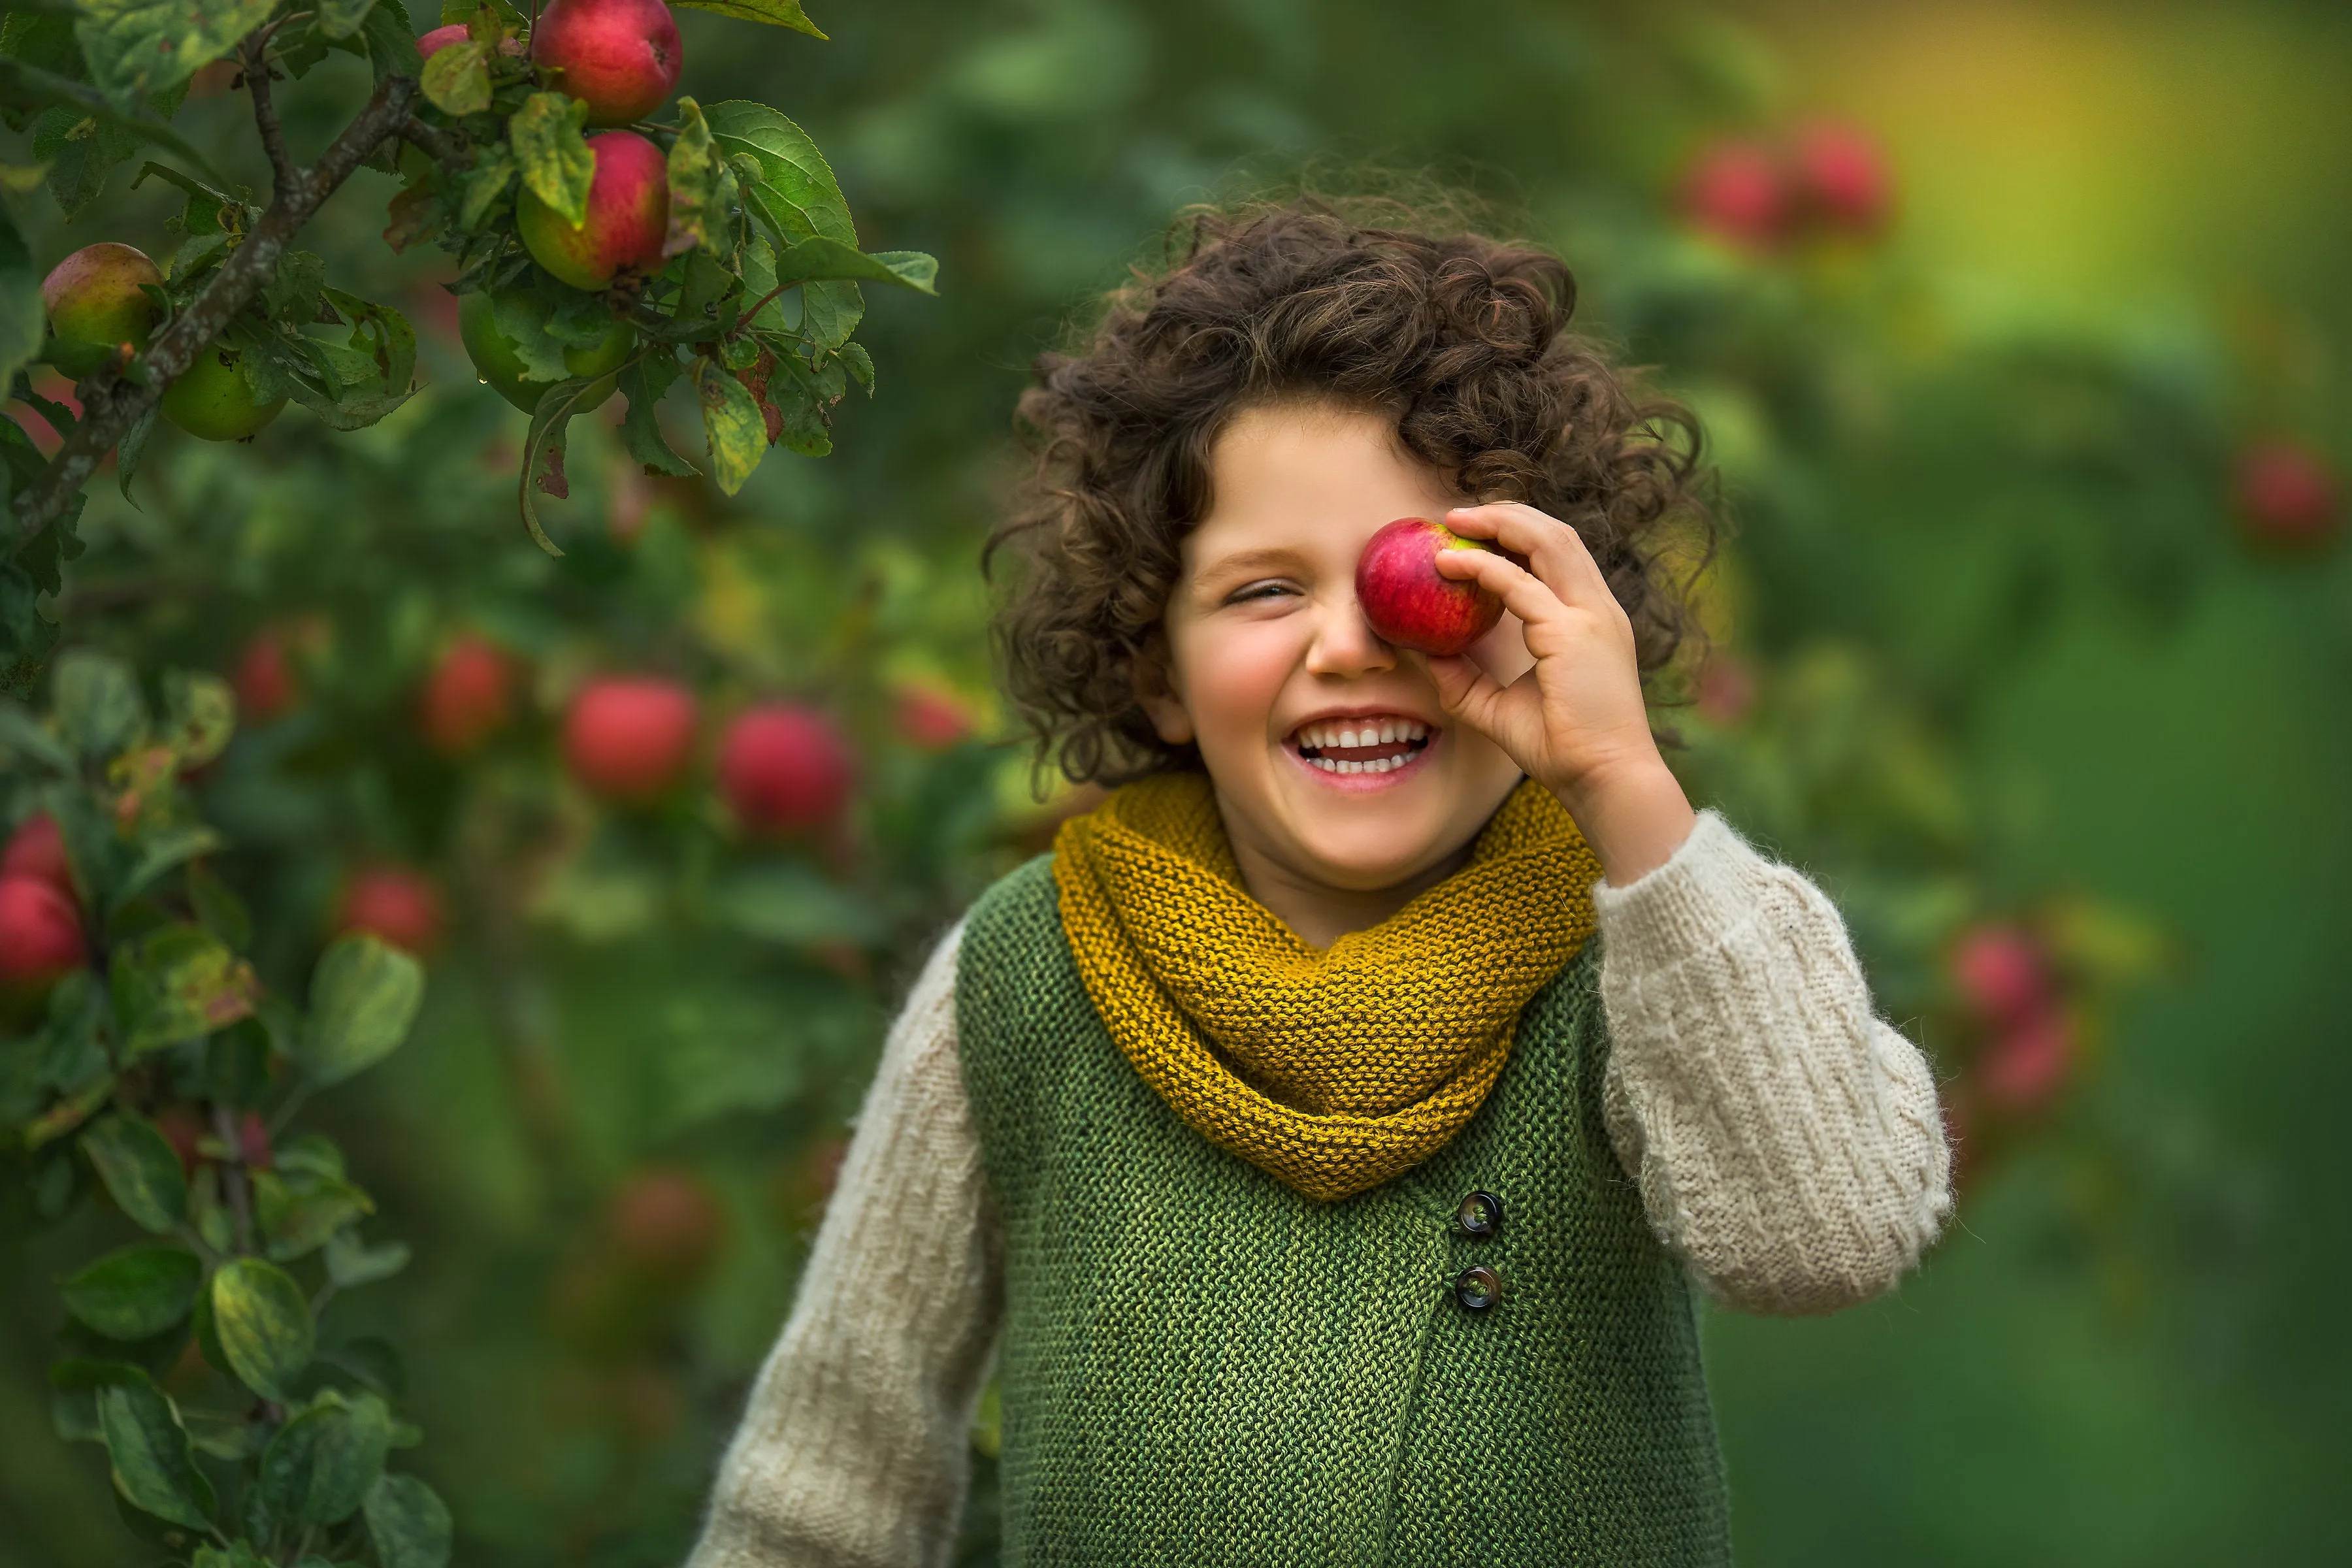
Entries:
{"x":498,"y":360}
{"x":212,"y":402}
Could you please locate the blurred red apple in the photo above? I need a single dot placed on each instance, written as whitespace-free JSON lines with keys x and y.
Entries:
{"x":1842,"y":180}
{"x":466,"y":700}
{"x":1737,"y":190}
{"x":621,"y":58}
{"x":253,"y":1141}
{"x":667,"y":1224}
{"x":265,"y":681}
{"x":1407,"y":602}
{"x":1725,"y":689}
{"x":2286,"y":493}
{"x":182,"y":1124}
{"x":398,"y":904}
{"x":2028,"y":1062}
{"x":931,"y":718}
{"x":782,"y":766}
{"x":627,"y":221}
{"x":37,"y":850}
{"x":2000,"y":974}
{"x":40,"y":935}
{"x":628,"y":737}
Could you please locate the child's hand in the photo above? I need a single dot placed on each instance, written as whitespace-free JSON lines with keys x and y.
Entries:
{"x":1576,"y":723}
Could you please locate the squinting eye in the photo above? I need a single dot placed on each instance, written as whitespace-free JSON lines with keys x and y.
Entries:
{"x":1256,"y":591}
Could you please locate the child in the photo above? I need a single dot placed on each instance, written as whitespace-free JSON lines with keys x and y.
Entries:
{"x":1324,"y":1192}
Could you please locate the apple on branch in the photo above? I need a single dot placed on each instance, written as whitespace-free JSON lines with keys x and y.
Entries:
{"x":620,"y":57}
{"x":627,"y":221}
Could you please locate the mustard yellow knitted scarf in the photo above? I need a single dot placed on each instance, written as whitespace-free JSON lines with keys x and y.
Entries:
{"x":1333,"y":1069}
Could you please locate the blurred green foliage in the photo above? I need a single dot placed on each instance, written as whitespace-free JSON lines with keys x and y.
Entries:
{"x":1995,"y":651}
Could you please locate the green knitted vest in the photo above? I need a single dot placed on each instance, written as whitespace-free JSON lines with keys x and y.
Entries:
{"x":1200,"y":1367}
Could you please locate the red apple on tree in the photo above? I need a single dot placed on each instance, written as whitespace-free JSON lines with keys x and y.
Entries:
{"x":627,"y":221}
{"x":440,"y":39}
{"x":2286,"y":493}
{"x":1737,"y":190}
{"x":931,"y":718}
{"x":783,"y":766}
{"x":99,"y":306}
{"x":37,"y":850}
{"x":2029,"y":1062}
{"x":1842,"y":181}
{"x":2000,"y":972}
{"x":628,"y":737}
{"x":40,"y":936}
{"x":621,"y":58}
{"x":396,"y":903}
{"x":467,"y":698}
{"x":265,"y":681}
{"x":1406,"y":601}
{"x":666,"y":1223}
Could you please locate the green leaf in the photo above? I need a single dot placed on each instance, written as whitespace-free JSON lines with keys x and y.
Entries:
{"x":142,"y":1171}
{"x":262,"y":1321}
{"x":390,"y":39}
{"x":21,"y":319}
{"x":408,"y":1522}
{"x":542,"y":453}
{"x":24,"y":739}
{"x":640,"y":431}
{"x":363,"y":997}
{"x":82,"y":150}
{"x":155,"y":1468}
{"x":322,"y":1465}
{"x":817,"y":259}
{"x":731,"y":420}
{"x":134,"y":1292}
{"x":199,"y":715}
{"x":860,"y":365}
{"x":802,"y":198}
{"x":162,"y":851}
{"x":98,"y":704}
{"x":137,"y":48}
{"x":298,"y":1216}
{"x":551,"y":153}
{"x":313,"y":1153}
{"x":74,"y":1383}
{"x":522,"y":317}
{"x":342,"y":18}
{"x":178,"y":983}
{"x":777,"y":13}
{"x":351,"y":1262}
{"x":456,"y":79}
{"x":701,"y":185}
{"x":494,"y":170}
{"x":129,"y":450}
{"x":231,"y":1437}
{"x":24,"y":82}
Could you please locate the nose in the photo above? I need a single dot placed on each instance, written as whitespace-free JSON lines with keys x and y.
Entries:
{"x":1345,"y":643}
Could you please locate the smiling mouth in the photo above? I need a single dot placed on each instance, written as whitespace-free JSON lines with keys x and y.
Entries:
{"x":1371,"y":745}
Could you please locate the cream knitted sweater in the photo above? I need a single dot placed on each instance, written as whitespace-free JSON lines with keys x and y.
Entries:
{"x":1785,"y":1142}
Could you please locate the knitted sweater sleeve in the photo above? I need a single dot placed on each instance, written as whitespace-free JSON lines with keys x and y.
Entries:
{"x":853,"y":1449}
{"x":1786,"y":1140}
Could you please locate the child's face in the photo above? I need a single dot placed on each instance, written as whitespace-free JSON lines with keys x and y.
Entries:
{"x":1270,"y":661}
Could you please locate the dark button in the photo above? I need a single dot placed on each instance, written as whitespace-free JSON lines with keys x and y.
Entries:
{"x":1477,"y":1289}
{"x":1479,"y":1215}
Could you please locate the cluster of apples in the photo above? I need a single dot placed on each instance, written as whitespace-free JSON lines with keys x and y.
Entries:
{"x":621,"y":58}
{"x":103,"y":303}
{"x":40,"y":915}
{"x":1761,"y":192}
{"x":781,"y":767}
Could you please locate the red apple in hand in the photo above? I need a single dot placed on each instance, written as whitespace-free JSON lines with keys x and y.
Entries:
{"x":1405,"y":599}
{"x":620,"y":57}
{"x":784,"y":766}
{"x":628,"y":737}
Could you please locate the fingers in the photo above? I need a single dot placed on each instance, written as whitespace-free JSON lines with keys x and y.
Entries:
{"x":1551,"y":547}
{"x":1531,"y":598}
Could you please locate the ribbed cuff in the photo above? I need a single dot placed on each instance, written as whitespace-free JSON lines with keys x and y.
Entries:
{"x":1710,"y":884}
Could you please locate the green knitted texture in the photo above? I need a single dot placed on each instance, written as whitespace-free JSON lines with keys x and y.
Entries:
{"x":1202,"y":1367}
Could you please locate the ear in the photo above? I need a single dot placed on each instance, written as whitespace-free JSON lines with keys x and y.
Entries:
{"x":1155,"y":689}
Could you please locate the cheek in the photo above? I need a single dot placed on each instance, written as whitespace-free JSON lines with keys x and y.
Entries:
{"x":1232,"y":674}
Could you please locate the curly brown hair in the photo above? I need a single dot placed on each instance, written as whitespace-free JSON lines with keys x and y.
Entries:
{"x":1460,"y":339}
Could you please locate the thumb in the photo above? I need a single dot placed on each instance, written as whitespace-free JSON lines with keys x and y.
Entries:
{"x":1465,"y":691}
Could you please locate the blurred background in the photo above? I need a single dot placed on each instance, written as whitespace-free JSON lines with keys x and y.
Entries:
{"x":2018,"y":336}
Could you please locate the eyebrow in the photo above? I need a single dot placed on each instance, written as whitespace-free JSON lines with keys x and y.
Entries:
{"x":1251,"y":559}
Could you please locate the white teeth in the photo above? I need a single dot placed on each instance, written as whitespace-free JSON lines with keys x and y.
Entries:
{"x":1352,"y":733}
{"x":1388,"y":731}
{"x":1347,"y":737}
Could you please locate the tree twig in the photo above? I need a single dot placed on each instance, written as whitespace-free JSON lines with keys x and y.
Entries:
{"x":254,"y":51}
{"x":111,"y":404}
{"x":438,"y":143}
